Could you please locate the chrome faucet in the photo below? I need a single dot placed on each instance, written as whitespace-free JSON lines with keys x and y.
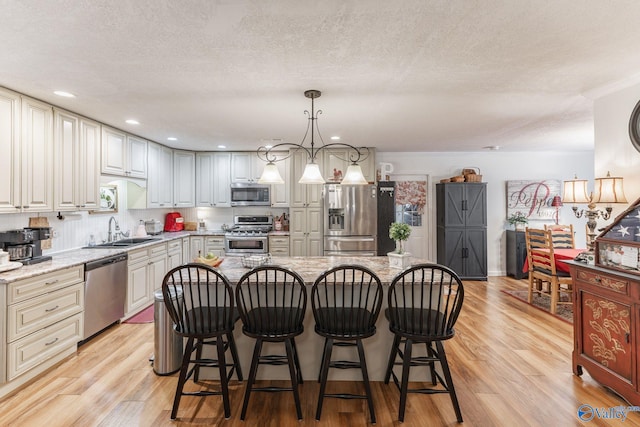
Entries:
{"x":110,"y":235}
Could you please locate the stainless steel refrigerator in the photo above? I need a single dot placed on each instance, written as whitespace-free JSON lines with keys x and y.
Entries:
{"x":350,"y":218}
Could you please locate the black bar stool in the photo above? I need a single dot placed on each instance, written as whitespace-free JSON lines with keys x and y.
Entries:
{"x":346,"y":301}
{"x":424,"y":304}
{"x":200,"y":302}
{"x":272,"y":301}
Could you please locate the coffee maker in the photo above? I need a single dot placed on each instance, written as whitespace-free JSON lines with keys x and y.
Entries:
{"x":25,"y":245}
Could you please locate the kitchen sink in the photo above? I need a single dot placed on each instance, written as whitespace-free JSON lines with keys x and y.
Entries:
{"x":123,"y":243}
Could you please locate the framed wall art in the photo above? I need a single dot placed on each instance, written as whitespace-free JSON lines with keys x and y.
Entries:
{"x":532,"y":198}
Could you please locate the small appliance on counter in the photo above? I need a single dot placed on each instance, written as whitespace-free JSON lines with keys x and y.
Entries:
{"x":25,"y":245}
{"x":174,"y":222}
{"x":153,"y":226}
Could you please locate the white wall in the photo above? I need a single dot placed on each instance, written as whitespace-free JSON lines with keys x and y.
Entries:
{"x":613,"y":149}
{"x":496,"y":167}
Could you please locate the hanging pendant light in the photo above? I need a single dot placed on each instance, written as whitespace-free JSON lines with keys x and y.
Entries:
{"x":312,"y":173}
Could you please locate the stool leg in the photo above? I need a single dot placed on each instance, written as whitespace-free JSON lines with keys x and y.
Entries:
{"x":234,"y":355}
{"x":406,"y":364}
{"x":294,"y":376}
{"x":198,"y":343}
{"x":448,"y":379}
{"x":322,"y":361}
{"x":182,"y":378}
{"x":432,"y":364}
{"x":392,"y":358}
{"x":365,"y":378}
{"x":252,"y":376}
{"x":324,"y":371}
{"x":222,"y":366}
{"x":296,"y":361}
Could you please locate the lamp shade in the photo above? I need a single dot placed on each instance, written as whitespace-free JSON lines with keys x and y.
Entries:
{"x":354,"y":176}
{"x":575,"y":191}
{"x":311,"y":174}
{"x":609,"y":190}
{"x":556,"y":202}
{"x":270,"y":175}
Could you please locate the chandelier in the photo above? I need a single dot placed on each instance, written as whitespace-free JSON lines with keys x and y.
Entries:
{"x":311,"y":174}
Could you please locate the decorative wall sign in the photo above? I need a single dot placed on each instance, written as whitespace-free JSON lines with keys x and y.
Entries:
{"x":532,"y":198}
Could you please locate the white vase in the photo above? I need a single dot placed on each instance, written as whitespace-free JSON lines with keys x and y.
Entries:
{"x":400,"y":261}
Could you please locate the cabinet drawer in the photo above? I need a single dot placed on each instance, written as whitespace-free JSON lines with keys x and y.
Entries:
{"x":279,"y":251}
{"x":279,"y":241}
{"x":215,"y":242}
{"x":158,"y":250}
{"x":604,"y":281}
{"x":44,"y":283}
{"x":36,"y":348}
{"x":137,"y":256}
{"x":37,"y":313}
{"x":174,"y":246}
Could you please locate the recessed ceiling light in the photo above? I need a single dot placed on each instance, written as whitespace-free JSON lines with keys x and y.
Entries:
{"x":335,"y":138}
{"x":172,"y":138}
{"x":492,"y":147}
{"x":222,"y":146}
{"x":132,"y":122}
{"x":268,"y":146}
{"x":65,"y":94}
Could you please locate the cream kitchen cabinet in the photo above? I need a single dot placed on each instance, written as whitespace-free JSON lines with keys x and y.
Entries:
{"x":279,"y":245}
{"x":10,"y":168}
{"x":304,"y":195}
{"x":186,"y":250}
{"x":338,"y":159}
{"x":196,"y":247}
{"x":37,"y":156}
{"x":159,"y":176}
{"x":214,"y":245}
{"x":174,"y":254}
{"x":123,"y":154}
{"x":246,"y":167}
{"x":145,"y":270}
{"x":306,"y":233}
{"x":76,"y":162}
{"x":44,"y":317}
{"x":213,"y":180}
{"x":184,"y":177}
{"x":281,"y":193}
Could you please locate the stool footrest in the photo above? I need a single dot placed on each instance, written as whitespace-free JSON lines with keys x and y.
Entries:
{"x":345,"y":364}
{"x":271,"y":389}
{"x":346,"y":396}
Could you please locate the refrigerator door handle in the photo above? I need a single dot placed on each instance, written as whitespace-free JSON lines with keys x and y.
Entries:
{"x":351,"y":239}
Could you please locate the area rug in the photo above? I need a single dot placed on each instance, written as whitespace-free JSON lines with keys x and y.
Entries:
{"x":145,"y":316}
{"x":543,"y":302}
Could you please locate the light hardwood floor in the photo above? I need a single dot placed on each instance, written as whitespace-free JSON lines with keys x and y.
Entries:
{"x":511,"y":364}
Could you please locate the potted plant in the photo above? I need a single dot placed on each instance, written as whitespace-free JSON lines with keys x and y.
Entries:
{"x":518,"y":220}
{"x":399,"y":258}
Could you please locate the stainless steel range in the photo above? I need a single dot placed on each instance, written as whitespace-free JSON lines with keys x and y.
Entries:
{"x":248,"y":235}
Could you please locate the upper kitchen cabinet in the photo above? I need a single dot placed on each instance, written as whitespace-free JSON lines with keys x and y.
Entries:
{"x":37,"y":156}
{"x":281,"y":193}
{"x":159,"y":176}
{"x":123,"y":155}
{"x":213,"y":179}
{"x":10,"y":145}
{"x":337,"y":160}
{"x":184,"y":177}
{"x":246,"y":167}
{"x":76,"y":162}
{"x":303,"y":195}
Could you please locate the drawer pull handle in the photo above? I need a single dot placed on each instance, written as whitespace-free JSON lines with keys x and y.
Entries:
{"x":627,"y":337}
{"x":52,"y":342}
{"x":53,"y":282}
{"x":51,"y":309}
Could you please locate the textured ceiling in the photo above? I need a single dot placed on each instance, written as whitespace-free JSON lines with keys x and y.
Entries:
{"x":412,"y":75}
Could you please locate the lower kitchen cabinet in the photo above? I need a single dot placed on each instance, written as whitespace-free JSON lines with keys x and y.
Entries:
{"x":174,"y":254}
{"x":214,"y":245}
{"x":145,"y":270}
{"x":44,"y":323}
{"x":196,"y":245}
{"x":279,"y":245}
{"x":516,"y":253}
{"x":306,"y":236}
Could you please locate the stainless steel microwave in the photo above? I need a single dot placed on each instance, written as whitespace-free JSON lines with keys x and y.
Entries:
{"x":247,"y":194}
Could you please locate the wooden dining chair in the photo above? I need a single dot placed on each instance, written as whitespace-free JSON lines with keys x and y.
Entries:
{"x":542,"y":267}
{"x":534,"y":238}
{"x":562,"y":236}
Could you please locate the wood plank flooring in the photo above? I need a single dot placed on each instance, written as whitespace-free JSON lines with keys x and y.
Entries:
{"x":511,"y":364}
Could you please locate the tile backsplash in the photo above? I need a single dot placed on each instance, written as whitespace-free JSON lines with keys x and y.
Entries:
{"x":74,"y":230}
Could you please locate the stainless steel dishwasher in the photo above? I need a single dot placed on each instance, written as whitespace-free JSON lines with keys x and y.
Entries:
{"x":105,"y":293}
